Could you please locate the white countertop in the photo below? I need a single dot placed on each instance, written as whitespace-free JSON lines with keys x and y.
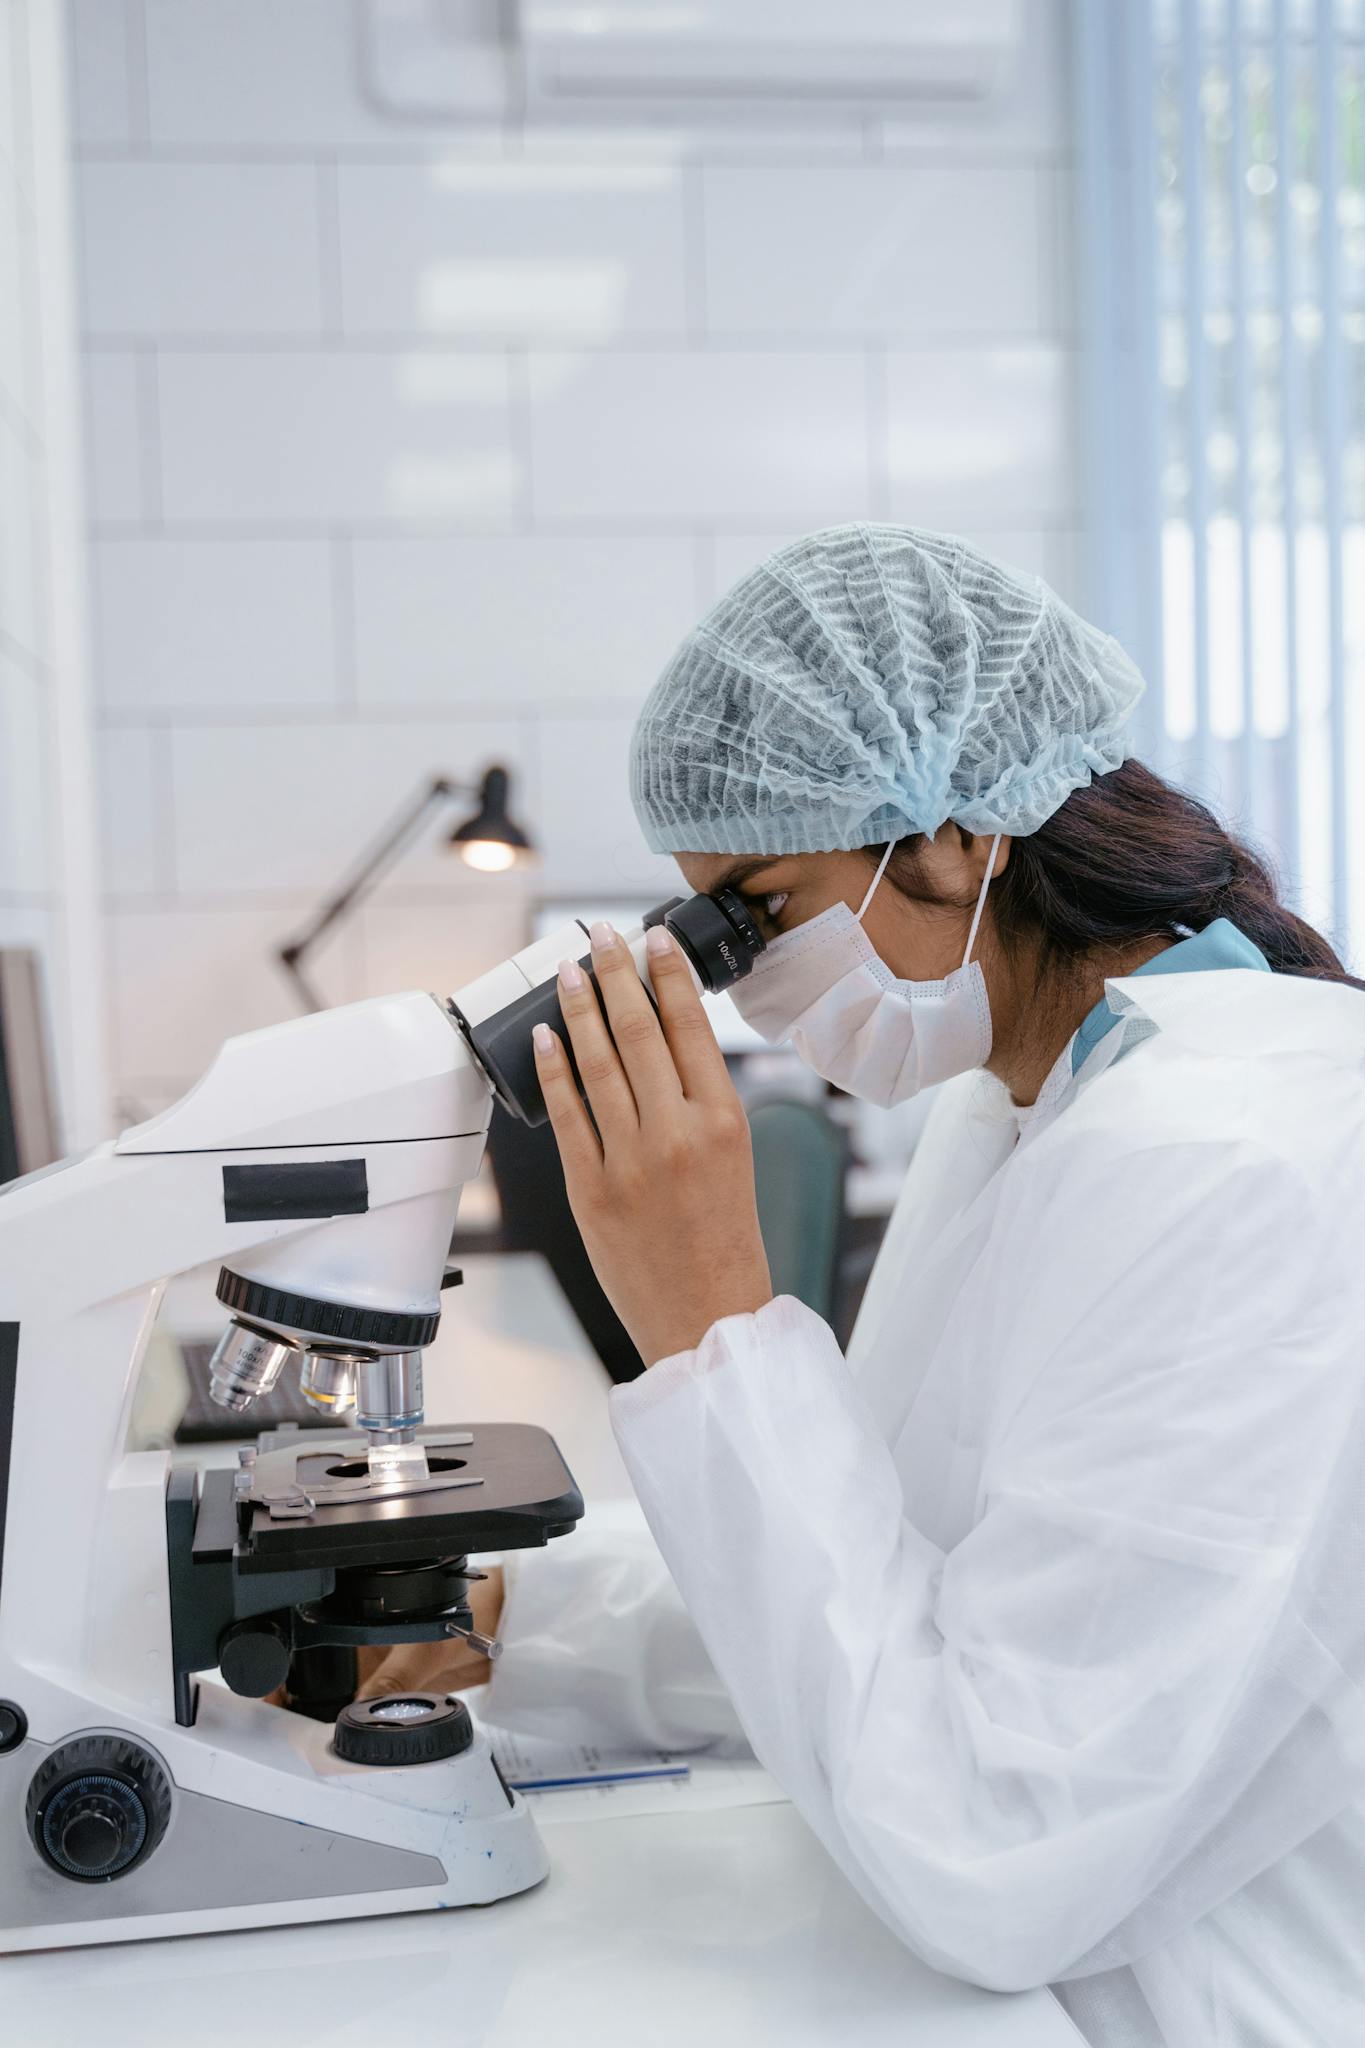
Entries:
{"x":679,"y":1929}
{"x":715,"y":1930}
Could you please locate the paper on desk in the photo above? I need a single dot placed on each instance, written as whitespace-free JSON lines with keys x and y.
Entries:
{"x":710,"y":1783}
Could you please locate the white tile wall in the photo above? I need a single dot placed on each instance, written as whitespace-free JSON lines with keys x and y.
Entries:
{"x":189,"y":976}
{"x":105,"y":47}
{"x":113,"y":437}
{"x":47,"y":802}
{"x":1028,"y":117}
{"x":518,"y":620}
{"x":19,"y":595}
{"x":190,"y":249}
{"x":292,"y":806}
{"x":135,"y":802}
{"x":702,"y":436}
{"x":185,"y":978}
{"x":970,"y":429}
{"x":7,"y":67}
{"x":1058,"y":253}
{"x":414,"y":444}
{"x":185,"y":625}
{"x":17,"y":140}
{"x":585,"y":824}
{"x":29,"y":923}
{"x":865,"y":249}
{"x":15,"y":231}
{"x":589,"y":252}
{"x":24,"y":855}
{"x":843,"y":138}
{"x":441,"y":947}
{"x":324,"y":437}
{"x":263,"y":75}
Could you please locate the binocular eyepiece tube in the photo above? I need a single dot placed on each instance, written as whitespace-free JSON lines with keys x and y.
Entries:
{"x":717,"y":933}
{"x":497,"y":1014}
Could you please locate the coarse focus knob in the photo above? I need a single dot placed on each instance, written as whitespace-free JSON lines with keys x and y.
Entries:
{"x":98,"y":1805}
{"x":253,"y":1657}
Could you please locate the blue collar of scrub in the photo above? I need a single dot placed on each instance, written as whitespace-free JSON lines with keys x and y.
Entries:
{"x":1220,"y":944}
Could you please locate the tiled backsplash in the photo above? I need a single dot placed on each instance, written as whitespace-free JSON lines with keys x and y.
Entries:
{"x":414,"y":447}
{"x":47,"y":851}
{"x":27,"y":882}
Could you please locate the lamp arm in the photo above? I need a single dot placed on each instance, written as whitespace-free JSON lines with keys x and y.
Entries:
{"x":381,"y":855}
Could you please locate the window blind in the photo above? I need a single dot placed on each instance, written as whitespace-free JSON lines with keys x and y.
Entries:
{"x":1221,"y":306}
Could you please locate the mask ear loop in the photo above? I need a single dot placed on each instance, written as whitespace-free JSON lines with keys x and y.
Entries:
{"x":981,"y":899}
{"x":881,"y":870}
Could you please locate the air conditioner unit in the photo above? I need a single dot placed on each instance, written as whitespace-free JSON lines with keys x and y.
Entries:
{"x":727,"y":56}
{"x":684,"y":59}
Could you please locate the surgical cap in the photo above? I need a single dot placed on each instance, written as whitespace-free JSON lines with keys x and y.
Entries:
{"x":869,"y":681}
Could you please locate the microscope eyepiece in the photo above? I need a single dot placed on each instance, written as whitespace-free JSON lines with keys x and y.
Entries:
{"x":717,"y":934}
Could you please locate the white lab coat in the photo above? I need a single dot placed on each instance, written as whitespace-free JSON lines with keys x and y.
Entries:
{"x":1047,"y":1607}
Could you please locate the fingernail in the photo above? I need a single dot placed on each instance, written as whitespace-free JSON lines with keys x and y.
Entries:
{"x":601,"y":935}
{"x":658,"y":940}
{"x":543,"y":1039}
{"x":570,"y":976}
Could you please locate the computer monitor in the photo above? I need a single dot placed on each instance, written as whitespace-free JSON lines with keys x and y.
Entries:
{"x":29,"y":1135}
{"x":732,"y":1033}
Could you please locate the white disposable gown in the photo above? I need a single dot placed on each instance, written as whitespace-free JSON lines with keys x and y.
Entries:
{"x":1047,"y":1606}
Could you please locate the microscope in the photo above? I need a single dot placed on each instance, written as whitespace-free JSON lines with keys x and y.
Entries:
{"x":320,"y":1163}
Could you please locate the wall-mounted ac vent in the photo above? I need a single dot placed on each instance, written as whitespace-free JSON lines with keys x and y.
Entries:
{"x":709,"y":59}
{"x":817,"y":53}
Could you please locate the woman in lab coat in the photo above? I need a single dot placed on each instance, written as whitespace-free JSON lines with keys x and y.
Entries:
{"x":1046,"y":1604}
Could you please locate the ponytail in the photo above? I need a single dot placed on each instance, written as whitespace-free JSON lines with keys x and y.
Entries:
{"x":1131,"y":857}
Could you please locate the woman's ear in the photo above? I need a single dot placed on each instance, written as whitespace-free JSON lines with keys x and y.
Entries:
{"x":976,"y":847}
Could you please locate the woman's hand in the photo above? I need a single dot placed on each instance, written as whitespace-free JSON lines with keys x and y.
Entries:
{"x":663,"y":1189}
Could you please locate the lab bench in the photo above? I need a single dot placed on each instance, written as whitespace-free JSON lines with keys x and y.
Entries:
{"x":729,"y":1929}
{"x":726,"y":1926}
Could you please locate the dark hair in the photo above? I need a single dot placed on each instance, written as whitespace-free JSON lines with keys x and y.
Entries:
{"x":1131,"y":857}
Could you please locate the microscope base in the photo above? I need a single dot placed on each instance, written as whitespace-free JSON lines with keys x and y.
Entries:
{"x":405,"y":1839}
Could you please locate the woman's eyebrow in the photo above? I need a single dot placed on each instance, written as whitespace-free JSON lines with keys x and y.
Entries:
{"x":734,"y":877}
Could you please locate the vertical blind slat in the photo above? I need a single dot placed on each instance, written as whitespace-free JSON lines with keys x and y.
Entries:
{"x":1333,"y":439}
{"x":1256,"y":175}
{"x":1139,"y":62}
{"x":1242,"y":403}
{"x":1103,"y":453}
{"x":1288,"y":753}
{"x":1197,"y":422}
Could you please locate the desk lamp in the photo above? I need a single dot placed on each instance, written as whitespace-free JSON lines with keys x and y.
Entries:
{"x":490,"y":841}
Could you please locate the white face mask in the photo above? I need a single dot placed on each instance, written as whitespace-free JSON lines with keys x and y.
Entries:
{"x":824,"y":988}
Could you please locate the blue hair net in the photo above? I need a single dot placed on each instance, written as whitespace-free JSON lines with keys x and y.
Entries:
{"x":868,"y":681}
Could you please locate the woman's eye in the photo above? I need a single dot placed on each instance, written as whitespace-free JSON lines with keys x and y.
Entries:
{"x":772,"y":905}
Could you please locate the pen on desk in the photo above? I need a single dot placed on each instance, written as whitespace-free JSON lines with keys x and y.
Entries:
{"x":627,"y":1777}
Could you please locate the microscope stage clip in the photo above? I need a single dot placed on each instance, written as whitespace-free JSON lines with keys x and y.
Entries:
{"x":272,"y":1479}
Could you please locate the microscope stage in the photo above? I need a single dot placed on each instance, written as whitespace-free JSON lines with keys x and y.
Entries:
{"x":526,"y":1496}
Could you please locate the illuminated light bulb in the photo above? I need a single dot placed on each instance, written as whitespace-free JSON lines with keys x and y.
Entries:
{"x":490,"y":856}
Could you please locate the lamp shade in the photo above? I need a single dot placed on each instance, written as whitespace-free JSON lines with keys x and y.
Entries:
{"x":491,"y":840}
